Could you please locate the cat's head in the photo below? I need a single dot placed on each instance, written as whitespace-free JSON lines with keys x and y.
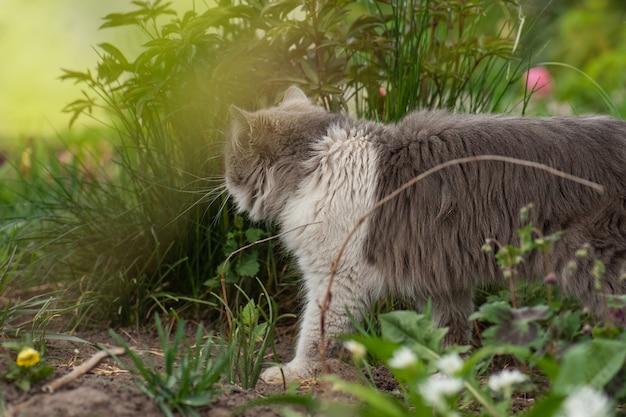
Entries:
{"x":265,"y":151}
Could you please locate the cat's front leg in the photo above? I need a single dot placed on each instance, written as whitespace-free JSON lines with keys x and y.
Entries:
{"x":306,"y":362}
{"x":307,"y":349}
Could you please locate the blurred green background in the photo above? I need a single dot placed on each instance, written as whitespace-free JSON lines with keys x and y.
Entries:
{"x":37,"y":39}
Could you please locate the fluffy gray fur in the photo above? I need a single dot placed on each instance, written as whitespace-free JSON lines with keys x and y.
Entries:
{"x":297,"y":164}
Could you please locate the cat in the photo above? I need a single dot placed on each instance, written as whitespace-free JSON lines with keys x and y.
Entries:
{"x":297,"y":164}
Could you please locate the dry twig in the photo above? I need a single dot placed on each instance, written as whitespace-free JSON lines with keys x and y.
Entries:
{"x":82,"y":369}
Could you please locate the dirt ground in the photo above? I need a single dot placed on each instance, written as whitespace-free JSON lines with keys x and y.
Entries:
{"x":108,"y":390}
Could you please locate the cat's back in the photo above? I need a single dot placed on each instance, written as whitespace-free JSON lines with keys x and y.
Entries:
{"x":454,"y":210}
{"x":476,"y":133}
{"x":591,"y":147}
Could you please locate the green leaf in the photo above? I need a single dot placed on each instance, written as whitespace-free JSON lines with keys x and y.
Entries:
{"x":547,"y":406}
{"x":593,"y":363}
{"x":41,"y":372}
{"x":120,"y":19}
{"x":114,"y":52}
{"x":252,"y":235}
{"x":249,"y":314}
{"x":77,"y":76}
{"x":310,"y":72}
{"x":248,"y":265}
{"x":495,"y":312}
{"x":23,"y":384}
{"x":515,"y":326}
{"x":412,"y":329}
{"x":376,"y":400}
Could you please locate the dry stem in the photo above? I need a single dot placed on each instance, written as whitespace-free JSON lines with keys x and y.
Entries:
{"x":82,"y":369}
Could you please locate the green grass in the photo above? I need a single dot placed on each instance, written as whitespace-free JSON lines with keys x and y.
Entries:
{"x":192,"y":370}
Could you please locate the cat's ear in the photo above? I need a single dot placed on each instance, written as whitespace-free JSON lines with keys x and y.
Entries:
{"x":241,"y":122}
{"x":294,"y":94}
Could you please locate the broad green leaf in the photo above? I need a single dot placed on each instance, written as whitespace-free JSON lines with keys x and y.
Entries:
{"x":248,"y":265}
{"x":375,"y":400}
{"x":252,"y":235}
{"x":592,"y":363}
{"x":495,"y":312}
{"x":415,"y":330}
{"x":547,"y":406}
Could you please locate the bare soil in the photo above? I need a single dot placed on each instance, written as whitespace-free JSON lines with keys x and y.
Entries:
{"x":108,"y":389}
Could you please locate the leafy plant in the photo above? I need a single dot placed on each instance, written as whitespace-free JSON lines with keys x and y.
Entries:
{"x":250,"y":334}
{"x":28,"y":367}
{"x":442,"y":54}
{"x":439,"y":383}
{"x":191,"y":371}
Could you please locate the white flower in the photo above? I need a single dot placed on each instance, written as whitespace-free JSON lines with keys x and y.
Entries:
{"x":357,"y":349}
{"x":437,"y":388}
{"x":403,"y":358}
{"x":586,"y":402}
{"x":450,"y":364}
{"x":505,"y":380}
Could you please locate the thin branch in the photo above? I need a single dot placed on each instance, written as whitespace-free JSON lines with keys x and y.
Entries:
{"x":459,"y":161}
{"x":82,"y":369}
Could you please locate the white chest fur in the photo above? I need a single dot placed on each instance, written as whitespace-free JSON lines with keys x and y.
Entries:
{"x":340,"y":188}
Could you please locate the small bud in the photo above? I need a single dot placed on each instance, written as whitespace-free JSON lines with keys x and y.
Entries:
{"x":523,"y":213}
{"x":550,"y":279}
{"x":486,"y":248}
{"x":571,"y":265}
{"x":587,"y":329}
{"x":581,"y":253}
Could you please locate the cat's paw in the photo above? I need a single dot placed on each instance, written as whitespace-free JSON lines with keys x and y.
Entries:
{"x":287,"y":373}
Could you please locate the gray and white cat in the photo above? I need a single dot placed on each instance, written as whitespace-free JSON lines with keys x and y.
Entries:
{"x":297,"y":164}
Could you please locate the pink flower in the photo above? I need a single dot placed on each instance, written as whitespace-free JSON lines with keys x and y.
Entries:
{"x":382,"y":91}
{"x":538,"y":81}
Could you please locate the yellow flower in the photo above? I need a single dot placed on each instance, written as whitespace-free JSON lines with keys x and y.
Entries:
{"x":27,"y":357}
